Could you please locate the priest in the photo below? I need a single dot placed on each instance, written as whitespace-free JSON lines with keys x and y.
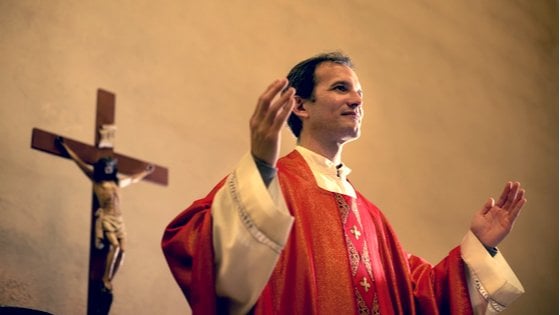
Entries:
{"x":292,"y":235}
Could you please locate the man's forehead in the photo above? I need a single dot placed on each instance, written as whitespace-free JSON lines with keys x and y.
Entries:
{"x":331,"y":72}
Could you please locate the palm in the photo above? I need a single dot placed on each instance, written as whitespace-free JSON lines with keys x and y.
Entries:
{"x":495,"y":220}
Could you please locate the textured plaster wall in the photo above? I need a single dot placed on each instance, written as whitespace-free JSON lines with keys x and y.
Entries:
{"x":460,"y":97}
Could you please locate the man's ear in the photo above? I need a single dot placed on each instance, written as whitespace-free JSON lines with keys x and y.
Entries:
{"x":300,"y":107}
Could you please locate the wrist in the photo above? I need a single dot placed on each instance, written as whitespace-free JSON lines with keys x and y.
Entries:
{"x":266,"y":170}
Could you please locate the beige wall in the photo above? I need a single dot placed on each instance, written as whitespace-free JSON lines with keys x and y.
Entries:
{"x":460,"y":97}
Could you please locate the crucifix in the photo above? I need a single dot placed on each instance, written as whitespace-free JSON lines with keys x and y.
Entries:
{"x":107,"y":229}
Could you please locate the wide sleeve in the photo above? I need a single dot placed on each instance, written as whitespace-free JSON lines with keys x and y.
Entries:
{"x":250,"y":227}
{"x":493,"y":285}
{"x":440,"y":289}
{"x":223,"y":248}
{"x":187,"y":246}
{"x":468,"y":278}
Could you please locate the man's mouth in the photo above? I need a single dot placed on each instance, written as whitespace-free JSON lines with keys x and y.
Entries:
{"x":353,"y":114}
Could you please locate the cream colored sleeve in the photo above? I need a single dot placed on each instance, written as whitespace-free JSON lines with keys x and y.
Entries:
{"x":250,"y":227}
{"x":493,"y":286}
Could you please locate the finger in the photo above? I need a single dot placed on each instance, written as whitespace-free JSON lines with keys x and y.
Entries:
{"x":280,"y":106}
{"x":519,"y":201}
{"x":504,"y":195}
{"x":274,"y":89}
{"x":488,"y":205}
{"x":514,"y":213}
{"x":262,"y":100}
{"x":266,"y":98}
{"x":520,"y":195}
{"x":512,"y":196}
{"x":284,"y":113}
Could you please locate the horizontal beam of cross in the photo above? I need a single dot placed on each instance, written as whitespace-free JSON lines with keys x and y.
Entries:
{"x":45,"y":141}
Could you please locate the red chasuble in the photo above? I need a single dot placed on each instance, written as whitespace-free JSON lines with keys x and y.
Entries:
{"x":314,"y":272}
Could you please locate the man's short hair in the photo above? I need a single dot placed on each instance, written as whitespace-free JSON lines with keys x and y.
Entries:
{"x":302,"y":78}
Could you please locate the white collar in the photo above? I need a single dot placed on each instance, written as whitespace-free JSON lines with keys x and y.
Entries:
{"x":327,"y":175}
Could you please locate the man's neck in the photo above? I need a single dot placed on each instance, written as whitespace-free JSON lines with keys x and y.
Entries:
{"x":331,"y":151}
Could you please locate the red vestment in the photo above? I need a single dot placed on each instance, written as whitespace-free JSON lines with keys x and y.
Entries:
{"x":312,"y":275}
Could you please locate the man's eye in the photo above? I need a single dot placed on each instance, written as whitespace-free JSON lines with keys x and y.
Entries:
{"x":340,"y":88}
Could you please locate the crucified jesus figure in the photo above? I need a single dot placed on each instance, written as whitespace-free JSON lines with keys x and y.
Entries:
{"x":109,"y":224}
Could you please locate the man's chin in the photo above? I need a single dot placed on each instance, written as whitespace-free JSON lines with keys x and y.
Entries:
{"x":352,"y":137}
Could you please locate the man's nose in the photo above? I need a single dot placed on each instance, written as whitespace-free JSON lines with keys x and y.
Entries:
{"x":356,"y":99}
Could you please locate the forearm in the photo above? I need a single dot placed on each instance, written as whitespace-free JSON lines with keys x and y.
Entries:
{"x":138,"y":177}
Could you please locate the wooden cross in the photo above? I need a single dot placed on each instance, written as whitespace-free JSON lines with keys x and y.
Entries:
{"x":99,"y":300}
